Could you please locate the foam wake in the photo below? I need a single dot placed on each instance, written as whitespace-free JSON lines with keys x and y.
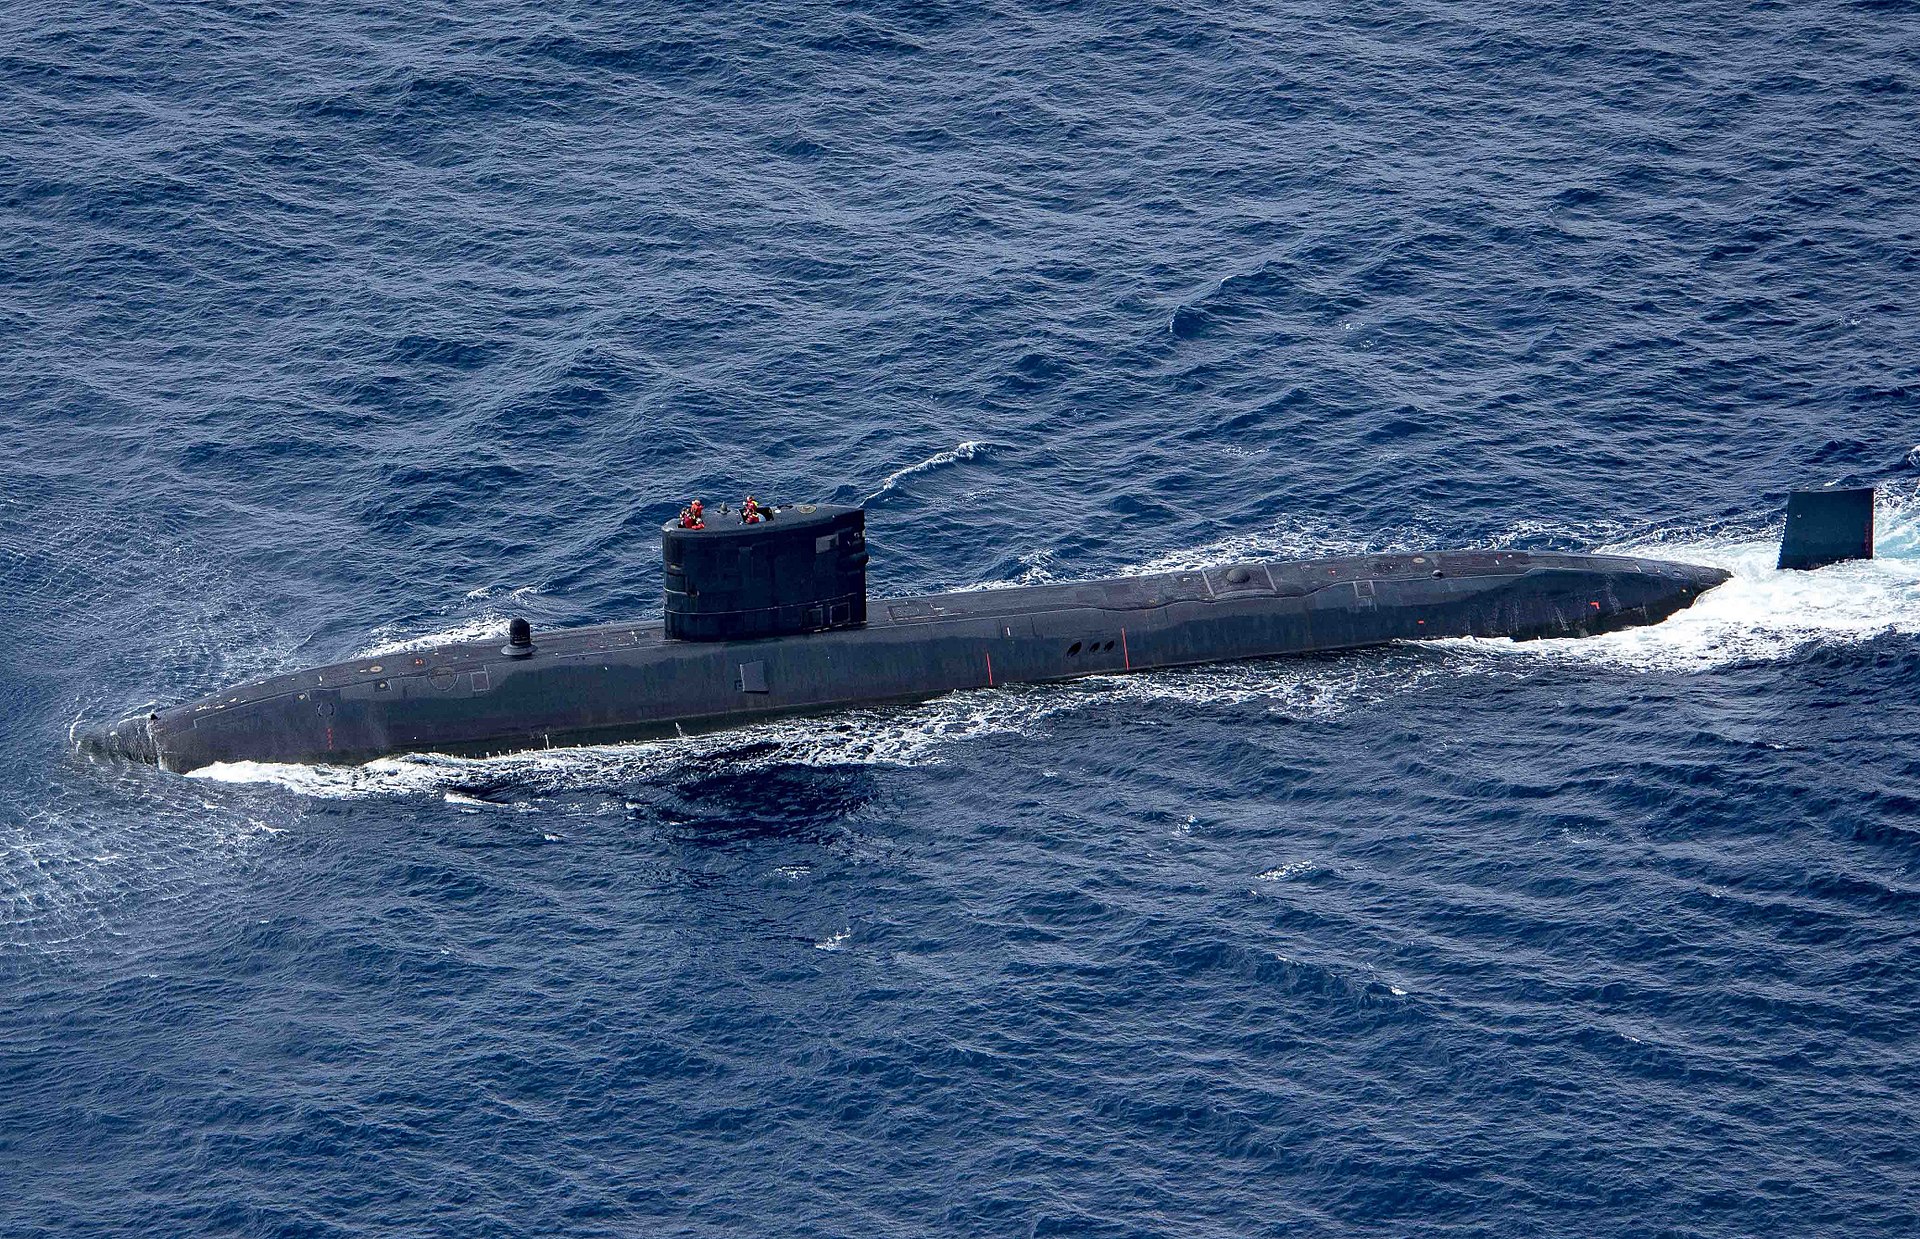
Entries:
{"x":970,"y":449}
{"x":896,"y":736}
{"x":882,"y":736}
{"x":470,"y":631}
{"x":488,"y":624}
{"x":1762,"y":613}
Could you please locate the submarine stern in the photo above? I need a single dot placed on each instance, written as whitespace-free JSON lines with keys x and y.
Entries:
{"x":1586,"y":596}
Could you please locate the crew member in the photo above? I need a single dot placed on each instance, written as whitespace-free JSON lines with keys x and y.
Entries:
{"x":750,"y":512}
{"x":699,"y":516}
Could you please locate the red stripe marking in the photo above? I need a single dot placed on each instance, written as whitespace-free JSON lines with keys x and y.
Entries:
{"x":989,"y":654}
{"x":1124,"y":656}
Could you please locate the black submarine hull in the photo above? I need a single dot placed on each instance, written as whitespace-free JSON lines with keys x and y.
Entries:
{"x":631,"y":681}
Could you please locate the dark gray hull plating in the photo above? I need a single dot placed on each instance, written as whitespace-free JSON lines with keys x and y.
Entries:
{"x":627,"y":681}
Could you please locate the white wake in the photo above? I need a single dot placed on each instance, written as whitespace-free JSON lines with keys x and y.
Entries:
{"x":1762,"y":614}
{"x":970,"y":449}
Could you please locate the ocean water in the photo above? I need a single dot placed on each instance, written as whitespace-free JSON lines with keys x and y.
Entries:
{"x":336,"y":327}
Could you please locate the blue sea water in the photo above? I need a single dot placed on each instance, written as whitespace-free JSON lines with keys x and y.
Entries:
{"x":333,"y":327}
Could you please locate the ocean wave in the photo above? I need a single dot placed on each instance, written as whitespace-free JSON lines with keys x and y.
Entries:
{"x":970,"y":449}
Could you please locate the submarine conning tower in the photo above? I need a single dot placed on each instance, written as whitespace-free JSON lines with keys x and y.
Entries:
{"x":802,"y":569}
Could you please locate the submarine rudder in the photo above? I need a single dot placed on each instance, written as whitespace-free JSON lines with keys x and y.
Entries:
{"x":1827,"y":525}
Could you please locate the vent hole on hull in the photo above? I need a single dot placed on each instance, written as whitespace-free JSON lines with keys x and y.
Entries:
{"x":1073,"y":649}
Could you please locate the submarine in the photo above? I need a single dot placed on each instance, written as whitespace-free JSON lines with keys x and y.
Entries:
{"x":772,"y":618}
